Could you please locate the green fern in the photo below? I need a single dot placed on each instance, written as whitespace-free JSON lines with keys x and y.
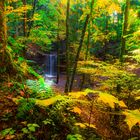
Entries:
{"x":24,"y":108}
{"x":39,"y":89}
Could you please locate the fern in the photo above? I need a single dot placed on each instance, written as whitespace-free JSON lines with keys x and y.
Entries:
{"x":135,"y":55}
{"x":39,"y":89}
{"x":5,"y":132}
{"x":25,"y":107}
{"x":132,"y":117}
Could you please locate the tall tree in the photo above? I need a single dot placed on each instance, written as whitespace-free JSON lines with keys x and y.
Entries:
{"x":58,"y":54}
{"x":80,"y":45}
{"x":24,"y":18}
{"x":67,"y":48}
{"x":124,"y":30}
{"x":86,"y":57}
{"x":3,"y":30}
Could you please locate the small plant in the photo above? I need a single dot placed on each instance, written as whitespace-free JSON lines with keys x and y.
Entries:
{"x":25,"y":108}
{"x":7,"y":133}
{"x":74,"y":137}
{"x":29,"y":130}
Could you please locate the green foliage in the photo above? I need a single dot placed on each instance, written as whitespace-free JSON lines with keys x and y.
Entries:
{"x":39,"y":89}
{"x":49,"y":121}
{"x":7,"y":132}
{"x":134,"y":138}
{"x":30,"y":128}
{"x":25,"y":108}
{"x":74,"y":137}
{"x":37,"y":37}
{"x":16,"y":46}
{"x":135,"y":55}
{"x":31,"y":71}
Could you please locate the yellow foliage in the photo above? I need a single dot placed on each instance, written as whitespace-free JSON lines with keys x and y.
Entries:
{"x":76,"y":110}
{"x":114,"y":7}
{"x":23,"y":9}
{"x":102,"y":97}
{"x":122,"y":104}
{"x":109,"y":6}
{"x":110,"y":100}
{"x":103,"y":3}
{"x":82,"y":63}
{"x":24,"y":67}
{"x":36,"y":17}
{"x":84,"y":125}
{"x":72,"y":2}
{"x":49,"y":101}
{"x":80,"y":93}
{"x":137,"y":98}
{"x":77,"y":94}
{"x":10,"y":1}
{"x":90,"y":71}
{"x":100,"y":68}
{"x":132,"y":117}
{"x":80,"y":124}
{"x":9,"y":8}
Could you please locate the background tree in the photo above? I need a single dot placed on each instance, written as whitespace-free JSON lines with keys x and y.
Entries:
{"x":67,"y":48}
{"x":124,"y":30}
{"x":3,"y":30}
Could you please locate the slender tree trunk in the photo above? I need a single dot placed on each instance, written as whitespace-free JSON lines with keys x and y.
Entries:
{"x":80,"y":46}
{"x":24,"y":19}
{"x":3,"y":30}
{"x":106,"y":33}
{"x":124,"y":31}
{"x":58,"y":55}
{"x":86,"y":58}
{"x":32,"y":15}
{"x":67,"y":48}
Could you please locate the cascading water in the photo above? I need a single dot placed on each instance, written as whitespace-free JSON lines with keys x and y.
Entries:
{"x":51,"y":63}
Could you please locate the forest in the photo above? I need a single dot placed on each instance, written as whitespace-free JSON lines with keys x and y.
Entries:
{"x":69,"y":69}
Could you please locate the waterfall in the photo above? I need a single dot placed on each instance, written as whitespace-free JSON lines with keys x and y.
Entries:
{"x":51,"y":63}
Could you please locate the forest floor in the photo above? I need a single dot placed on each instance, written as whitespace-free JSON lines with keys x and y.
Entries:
{"x":59,"y":88}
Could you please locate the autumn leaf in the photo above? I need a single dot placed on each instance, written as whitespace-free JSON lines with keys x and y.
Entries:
{"x":84,"y":125}
{"x":22,"y":93}
{"x":132,"y":117}
{"x":77,"y":94}
{"x":77,"y":110}
{"x":9,"y":84}
{"x":137,"y":98}
{"x":49,"y":101}
{"x":110,"y":100}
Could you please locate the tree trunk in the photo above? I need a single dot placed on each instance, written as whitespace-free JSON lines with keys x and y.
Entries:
{"x":105,"y":40}
{"x":67,"y":48}
{"x":24,"y":19}
{"x":58,"y":55}
{"x":86,"y":58}
{"x":124,"y":31}
{"x":3,"y":31}
{"x":80,"y":47}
